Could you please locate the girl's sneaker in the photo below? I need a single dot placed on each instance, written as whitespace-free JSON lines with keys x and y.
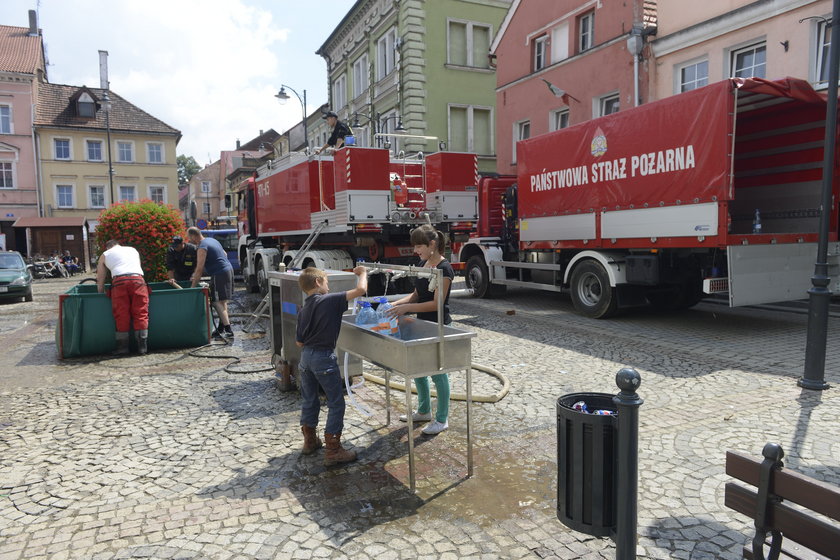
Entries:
{"x":417,"y":417}
{"x":435,"y":427}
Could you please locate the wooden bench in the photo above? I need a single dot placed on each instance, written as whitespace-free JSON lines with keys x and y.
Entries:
{"x":783,"y":531}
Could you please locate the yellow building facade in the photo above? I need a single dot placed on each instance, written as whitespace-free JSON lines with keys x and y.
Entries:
{"x":72,"y":132}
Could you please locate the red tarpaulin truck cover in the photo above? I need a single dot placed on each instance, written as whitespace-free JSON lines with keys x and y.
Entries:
{"x":673,"y":151}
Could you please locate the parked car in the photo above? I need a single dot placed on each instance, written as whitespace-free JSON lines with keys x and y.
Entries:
{"x":15,"y":277}
{"x":229,"y":238}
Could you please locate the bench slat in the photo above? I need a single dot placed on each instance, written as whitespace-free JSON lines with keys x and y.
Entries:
{"x":790,"y":551}
{"x":810,"y":493}
{"x":819,"y":536}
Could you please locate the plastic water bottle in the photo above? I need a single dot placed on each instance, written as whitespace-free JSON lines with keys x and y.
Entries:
{"x":757,"y":222}
{"x":387,"y":325}
{"x":367,"y":316}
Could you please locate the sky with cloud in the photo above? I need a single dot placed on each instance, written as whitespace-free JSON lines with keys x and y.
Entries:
{"x":209,"y":68}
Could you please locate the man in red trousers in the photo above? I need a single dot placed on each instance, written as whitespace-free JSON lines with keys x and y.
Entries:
{"x":129,"y":294}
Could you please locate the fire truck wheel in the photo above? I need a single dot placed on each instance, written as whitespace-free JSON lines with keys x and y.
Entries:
{"x":591,"y":292}
{"x":478,"y":278}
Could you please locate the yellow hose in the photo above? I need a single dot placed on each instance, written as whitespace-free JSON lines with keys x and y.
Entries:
{"x":496,"y":397}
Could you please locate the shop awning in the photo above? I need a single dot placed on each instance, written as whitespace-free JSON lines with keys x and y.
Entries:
{"x":33,"y":221}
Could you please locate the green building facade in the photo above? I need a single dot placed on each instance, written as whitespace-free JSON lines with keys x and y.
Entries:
{"x":416,"y":75}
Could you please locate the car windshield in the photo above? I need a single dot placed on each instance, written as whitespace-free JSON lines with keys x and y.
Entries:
{"x":228,"y":239}
{"x":11,"y":261}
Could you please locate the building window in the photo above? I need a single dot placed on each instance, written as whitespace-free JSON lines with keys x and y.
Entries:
{"x":64,"y":196}
{"x":85,"y":107}
{"x":558,"y":119}
{"x":749,"y":62}
{"x":521,"y":131}
{"x":586,"y":31}
{"x":127,"y":193}
{"x":362,"y":136}
{"x":5,"y":119}
{"x":385,"y":53}
{"x":540,"y":53}
{"x":468,"y":44}
{"x":206,"y":208}
{"x":360,"y":75}
{"x":560,"y":43}
{"x":125,"y":151}
{"x":608,"y":104}
{"x":823,"y":46}
{"x":340,"y":92}
{"x":157,"y":194}
{"x":693,"y":76}
{"x":205,"y":186}
{"x":155,"y":153}
{"x":94,"y":150}
{"x":7,"y":176}
{"x":97,"y":196}
{"x":471,"y":129}
{"x":62,"y":148}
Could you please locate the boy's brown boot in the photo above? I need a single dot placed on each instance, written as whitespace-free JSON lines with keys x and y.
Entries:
{"x":311,"y":441}
{"x":336,"y":454}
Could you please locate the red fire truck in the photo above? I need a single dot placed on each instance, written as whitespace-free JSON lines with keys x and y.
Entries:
{"x":357,"y":203}
{"x":715,"y":190}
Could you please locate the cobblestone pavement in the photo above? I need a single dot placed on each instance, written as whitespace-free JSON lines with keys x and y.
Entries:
{"x":170,"y":456}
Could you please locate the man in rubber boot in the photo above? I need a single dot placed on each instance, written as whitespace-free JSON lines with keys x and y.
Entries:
{"x":129,"y":294}
{"x":318,"y":325}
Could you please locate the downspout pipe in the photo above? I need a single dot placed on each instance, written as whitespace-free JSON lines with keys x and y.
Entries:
{"x":635,"y":44}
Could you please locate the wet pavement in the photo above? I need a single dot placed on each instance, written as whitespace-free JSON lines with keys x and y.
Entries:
{"x":170,"y":456}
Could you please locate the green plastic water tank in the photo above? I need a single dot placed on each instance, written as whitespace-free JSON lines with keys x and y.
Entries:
{"x":177,"y":319}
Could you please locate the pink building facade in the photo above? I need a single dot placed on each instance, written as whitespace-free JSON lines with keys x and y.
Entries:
{"x":562,"y":62}
{"x":704,"y":42}
{"x":21,"y":70}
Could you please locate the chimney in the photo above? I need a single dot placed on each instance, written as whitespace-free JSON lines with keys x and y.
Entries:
{"x":261,"y":132}
{"x":103,"y":70}
{"x":237,"y":144}
{"x":33,"y":23}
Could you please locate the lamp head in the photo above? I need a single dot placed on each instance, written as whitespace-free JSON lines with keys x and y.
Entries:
{"x":400,"y":128}
{"x":282,"y":95}
{"x":106,"y":101}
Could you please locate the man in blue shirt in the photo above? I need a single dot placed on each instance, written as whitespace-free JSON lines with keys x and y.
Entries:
{"x":212,"y":260}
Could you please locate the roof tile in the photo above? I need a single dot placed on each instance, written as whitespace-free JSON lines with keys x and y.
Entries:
{"x":20,"y":51}
{"x":55,"y":109}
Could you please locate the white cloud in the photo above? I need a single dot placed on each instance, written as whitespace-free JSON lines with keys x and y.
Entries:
{"x":209,"y":68}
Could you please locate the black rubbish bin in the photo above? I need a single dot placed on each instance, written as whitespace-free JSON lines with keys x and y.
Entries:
{"x":586,"y":464}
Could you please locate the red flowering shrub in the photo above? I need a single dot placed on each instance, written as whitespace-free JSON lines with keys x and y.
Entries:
{"x":147,"y":226}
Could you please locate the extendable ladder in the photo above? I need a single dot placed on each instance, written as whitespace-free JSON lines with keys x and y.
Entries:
{"x":266,"y":301}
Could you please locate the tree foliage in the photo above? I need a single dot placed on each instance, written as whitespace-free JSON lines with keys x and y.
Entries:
{"x":187,"y":167}
{"x":146,"y":226}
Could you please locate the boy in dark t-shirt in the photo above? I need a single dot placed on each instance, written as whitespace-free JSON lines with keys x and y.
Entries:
{"x":318,"y":325}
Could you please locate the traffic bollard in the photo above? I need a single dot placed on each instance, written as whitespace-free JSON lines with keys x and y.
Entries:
{"x":627,"y":463}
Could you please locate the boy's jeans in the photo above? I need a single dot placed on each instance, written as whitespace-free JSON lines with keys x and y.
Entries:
{"x":319,"y":367}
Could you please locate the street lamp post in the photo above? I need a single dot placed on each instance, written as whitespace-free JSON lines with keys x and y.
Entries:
{"x":376,"y":120}
{"x":819,"y":296}
{"x":283,"y":97}
{"x":106,"y":104}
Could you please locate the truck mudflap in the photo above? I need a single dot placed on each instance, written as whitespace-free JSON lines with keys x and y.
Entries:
{"x":781,"y":272}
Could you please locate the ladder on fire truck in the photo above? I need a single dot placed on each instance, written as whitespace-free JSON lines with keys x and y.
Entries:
{"x":266,"y":301}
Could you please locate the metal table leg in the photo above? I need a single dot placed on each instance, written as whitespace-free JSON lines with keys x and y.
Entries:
{"x":387,"y":397}
{"x":469,"y":424}
{"x":410,"y":434}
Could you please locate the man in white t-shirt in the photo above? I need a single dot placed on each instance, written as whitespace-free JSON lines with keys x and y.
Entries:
{"x":129,"y":294}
